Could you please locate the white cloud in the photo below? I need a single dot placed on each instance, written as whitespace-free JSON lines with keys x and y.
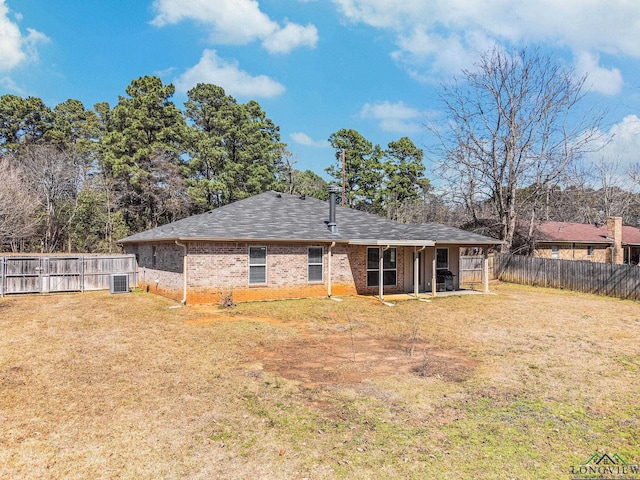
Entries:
{"x":292,"y":35}
{"x":236,"y":22}
{"x":394,"y":117}
{"x":437,"y":37}
{"x":443,"y":54}
{"x":213,"y":69}
{"x":304,"y":139}
{"x":8,"y":85}
{"x":15,"y":48}
{"x":599,"y":79}
{"x":11,"y":53}
{"x":394,"y":14}
{"x":31,"y":41}
{"x":167,"y":72}
{"x":621,"y":142}
{"x":231,"y":21}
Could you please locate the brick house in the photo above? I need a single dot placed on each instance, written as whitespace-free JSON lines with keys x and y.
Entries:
{"x":608,"y":243}
{"x":276,"y":246}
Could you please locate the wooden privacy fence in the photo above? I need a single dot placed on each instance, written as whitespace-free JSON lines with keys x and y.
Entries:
{"x":471,"y":269}
{"x":620,"y":281}
{"x":40,"y":274}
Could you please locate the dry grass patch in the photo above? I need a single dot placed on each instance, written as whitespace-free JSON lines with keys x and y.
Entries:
{"x":523,"y":384}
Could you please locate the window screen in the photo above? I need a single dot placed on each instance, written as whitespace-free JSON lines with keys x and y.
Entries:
{"x":257,"y":265}
{"x":389,"y":272}
{"x":315,"y":264}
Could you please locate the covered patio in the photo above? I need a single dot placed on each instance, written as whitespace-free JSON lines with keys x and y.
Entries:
{"x":429,"y":269}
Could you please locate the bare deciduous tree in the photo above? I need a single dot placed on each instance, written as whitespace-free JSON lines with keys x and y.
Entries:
{"x":55,"y":177}
{"x":512,"y":125}
{"x":17,"y":206}
{"x":613,"y":198}
{"x":634,"y":210}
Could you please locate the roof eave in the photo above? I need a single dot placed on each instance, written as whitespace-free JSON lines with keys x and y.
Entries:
{"x":589,"y":242}
{"x":368,"y":241}
{"x":394,"y":243}
{"x":240,"y":239}
{"x":470,"y":242}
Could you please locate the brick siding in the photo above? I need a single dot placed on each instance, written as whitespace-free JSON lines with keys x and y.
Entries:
{"x":218,"y":269}
{"x":601,"y":253}
{"x":358,"y":259}
{"x":163,"y":274}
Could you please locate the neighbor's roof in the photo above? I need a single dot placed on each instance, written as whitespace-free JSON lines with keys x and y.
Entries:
{"x":282,"y":217}
{"x":584,"y":233}
{"x":630,"y":235}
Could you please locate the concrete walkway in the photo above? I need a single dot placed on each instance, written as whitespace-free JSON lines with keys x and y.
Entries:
{"x":427,"y":295}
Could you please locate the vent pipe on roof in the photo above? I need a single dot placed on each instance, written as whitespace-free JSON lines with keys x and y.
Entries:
{"x":333,"y":228}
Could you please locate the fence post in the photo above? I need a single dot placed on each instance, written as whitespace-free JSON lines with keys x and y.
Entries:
{"x":81,"y":261}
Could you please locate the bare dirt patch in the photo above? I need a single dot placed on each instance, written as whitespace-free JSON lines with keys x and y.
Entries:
{"x":334,"y":359}
{"x":317,"y":355}
{"x":336,"y":352}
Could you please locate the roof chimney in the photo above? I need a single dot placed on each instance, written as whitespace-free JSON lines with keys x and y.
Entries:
{"x":614,"y":232}
{"x":333,"y":189}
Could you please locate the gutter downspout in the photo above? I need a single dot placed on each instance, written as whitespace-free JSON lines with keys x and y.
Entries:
{"x":434,"y":279}
{"x":333,"y":244}
{"x":381,"y":272}
{"x":184,"y":272}
{"x":416,"y":273}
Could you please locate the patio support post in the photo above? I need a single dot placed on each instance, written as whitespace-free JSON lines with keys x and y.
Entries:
{"x":416,"y":278}
{"x":433,"y":274}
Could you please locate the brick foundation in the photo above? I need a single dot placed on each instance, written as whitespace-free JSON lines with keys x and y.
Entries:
{"x":219,"y":269}
{"x":196,"y":296}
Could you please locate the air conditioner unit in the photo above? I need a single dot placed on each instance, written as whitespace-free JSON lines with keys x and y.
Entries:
{"x":119,"y":283}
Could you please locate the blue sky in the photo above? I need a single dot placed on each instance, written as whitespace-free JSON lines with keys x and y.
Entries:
{"x":317,"y":66}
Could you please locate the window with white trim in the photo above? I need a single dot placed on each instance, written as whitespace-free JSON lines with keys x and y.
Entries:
{"x":389,"y":267}
{"x":554,"y":251}
{"x":315,"y":264}
{"x":589,"y":250}
{"x":257,"y":265}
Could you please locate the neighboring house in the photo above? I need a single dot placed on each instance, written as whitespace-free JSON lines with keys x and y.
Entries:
{"x":276,"y":245}
{"x":611,"y":243}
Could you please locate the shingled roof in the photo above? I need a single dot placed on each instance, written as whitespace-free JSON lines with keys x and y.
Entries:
{"x":573,"y":232}
{"x":557,"y":232}
{"x":282,"y":217}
